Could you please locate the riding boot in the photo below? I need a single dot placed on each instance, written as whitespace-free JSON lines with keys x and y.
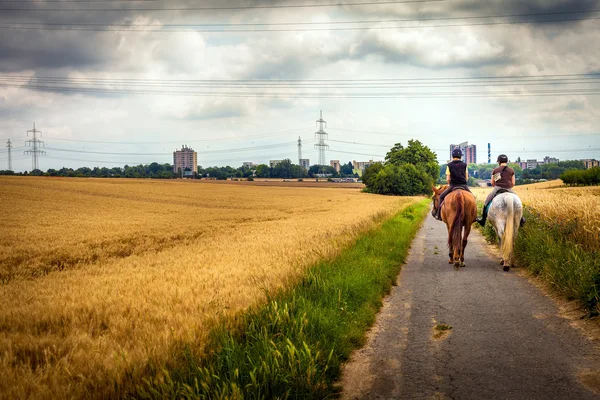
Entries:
{"x":481,"y":221}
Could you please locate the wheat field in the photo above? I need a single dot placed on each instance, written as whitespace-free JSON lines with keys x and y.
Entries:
{"x":575,"y":208}
{"x":99,"y":278}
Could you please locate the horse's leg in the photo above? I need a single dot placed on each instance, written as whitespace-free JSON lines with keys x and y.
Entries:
{"x":456,"y":254}
{"x":464,"y":244}
{"x":499,"y":234}
{"x":450,"y":250}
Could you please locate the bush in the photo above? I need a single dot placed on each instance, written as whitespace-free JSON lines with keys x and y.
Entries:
{"x":402,"y":180}
{"x":250,"y":178}
{"x":577,"y":177}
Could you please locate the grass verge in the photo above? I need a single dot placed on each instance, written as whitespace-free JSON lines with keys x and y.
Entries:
{"x":294,"y":346}
{"x":545,"y":249}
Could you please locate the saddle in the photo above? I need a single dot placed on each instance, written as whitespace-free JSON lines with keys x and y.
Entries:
{"x":452,"y":189}
{"x":500,"y":191}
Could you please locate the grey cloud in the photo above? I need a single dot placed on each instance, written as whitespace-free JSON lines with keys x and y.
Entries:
{"x":432,"y":51}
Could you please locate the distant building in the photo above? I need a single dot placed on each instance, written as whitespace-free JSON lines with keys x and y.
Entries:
{"x":248,"y":164}
{"x":361,"y":165}
{"x":358,"y":167}
{"x":335,"y":164}
{"x":274,"y":163}
{"x":185,"y":161}
{"x":305,"y":163}
{"x":550,"y":160}
{"x":531,"y":164}
{"x":590,"y":163}
{"x":469,"y":152}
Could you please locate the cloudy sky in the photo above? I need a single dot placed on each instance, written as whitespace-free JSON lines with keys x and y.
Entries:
{"x":112,"y":82}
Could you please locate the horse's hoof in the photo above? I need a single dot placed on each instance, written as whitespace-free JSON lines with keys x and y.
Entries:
{"x":450,"y":262}
{"x":462,"y":265}
{"x":456,"y":266}
{"x":502,"y":262}
{"x":506,"y":268}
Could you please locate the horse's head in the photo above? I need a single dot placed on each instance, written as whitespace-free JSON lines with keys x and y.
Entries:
{"x":436,"y":195}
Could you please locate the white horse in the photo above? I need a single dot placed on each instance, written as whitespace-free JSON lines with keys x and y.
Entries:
{"x":505,"y":214}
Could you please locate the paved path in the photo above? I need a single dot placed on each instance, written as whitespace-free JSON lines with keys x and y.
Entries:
{"x":506,"y":342}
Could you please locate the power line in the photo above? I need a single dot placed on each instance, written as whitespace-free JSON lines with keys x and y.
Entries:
{"x":405,"y":135}
{"x":589,"y":75}
{"x":258,"y":7}
{"x":234,"y":150}
{"x":257,"y":136}
{"x":330,"y":95}
{"x":158,"y":84}
{"x":363,"y":28}
{"x":169,"y":26}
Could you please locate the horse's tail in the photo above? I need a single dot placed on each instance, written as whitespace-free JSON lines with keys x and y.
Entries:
{"x":509,"y":231}
{"x":455,"y":238}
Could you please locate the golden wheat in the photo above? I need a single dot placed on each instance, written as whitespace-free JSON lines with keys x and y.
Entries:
{"x":102,"y":277}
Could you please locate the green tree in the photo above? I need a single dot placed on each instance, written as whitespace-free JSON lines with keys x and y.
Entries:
{"x":408,"y":171}
{"x":416,"y":154}
{"x":371,"y":172}
{"x":262,"y":171}
{"x":347,"y":169}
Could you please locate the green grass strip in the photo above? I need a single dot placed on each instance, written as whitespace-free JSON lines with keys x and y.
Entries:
{"x":293,"y":347}
{"x":545,"y":249}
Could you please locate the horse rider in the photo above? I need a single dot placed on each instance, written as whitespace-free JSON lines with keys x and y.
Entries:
{"x":503,"y":177}
{"x":457,"y":176}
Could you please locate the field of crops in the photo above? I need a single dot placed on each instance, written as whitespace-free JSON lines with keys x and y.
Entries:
{"x":577,"y":209}
{"x":100,"y":278}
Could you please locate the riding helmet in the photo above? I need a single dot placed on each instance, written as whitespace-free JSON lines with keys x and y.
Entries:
{"x":457,"y":153}
{"x":502,"y":158}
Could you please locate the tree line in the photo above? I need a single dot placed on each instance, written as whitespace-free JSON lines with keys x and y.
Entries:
{"x":285,"y":169}
{"x":576,"y":177}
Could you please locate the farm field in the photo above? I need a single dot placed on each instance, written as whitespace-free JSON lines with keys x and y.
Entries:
{"x":99,"y":278}
{"x":577,"y":207}
{"x":306,"y":182}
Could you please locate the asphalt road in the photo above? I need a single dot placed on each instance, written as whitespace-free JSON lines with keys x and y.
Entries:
{"x":507,"y":339}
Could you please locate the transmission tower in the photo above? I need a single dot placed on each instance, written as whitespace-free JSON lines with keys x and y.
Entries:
{"x":35,"y":143}
{"x":9,"y":147}
{"x":299,"y":151}
{"x":321,"y":135}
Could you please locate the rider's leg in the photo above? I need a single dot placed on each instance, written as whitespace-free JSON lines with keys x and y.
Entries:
{"x":442,"y":196}
{"x":488,"y":200}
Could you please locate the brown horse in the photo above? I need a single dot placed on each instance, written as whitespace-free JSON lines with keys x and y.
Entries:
{"x":459,"y":211}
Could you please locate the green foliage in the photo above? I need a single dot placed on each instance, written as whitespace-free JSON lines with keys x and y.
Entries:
{"x":587,"y":177}
{"x":315,"y":170}
{"x":285,"y":169}
{"x":549,"y":171}
{"x":545,"y":250}
{"x":370,"y":173}
{"x":293,"y":347}
{"x":408,"y":171}
{"x":347,"y":170}
{"x":416,"y":154}
{"x":262,"y":171}
{"x":402,"y":180}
